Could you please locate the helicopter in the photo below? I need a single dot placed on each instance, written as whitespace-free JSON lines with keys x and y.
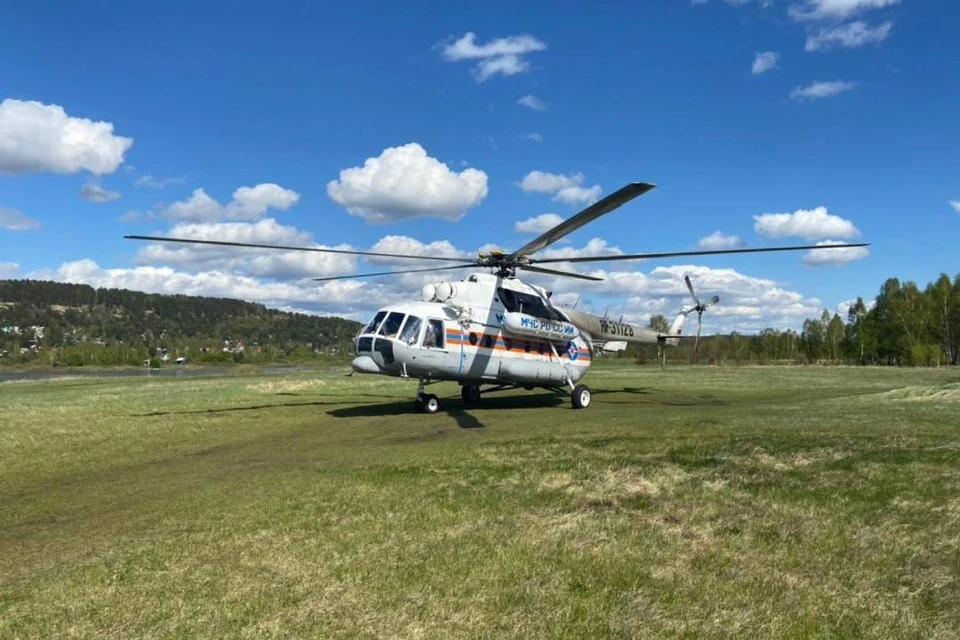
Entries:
{"x":491,"y":331}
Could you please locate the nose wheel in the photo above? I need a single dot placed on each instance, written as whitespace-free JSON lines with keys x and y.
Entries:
{"x":427,"y":403}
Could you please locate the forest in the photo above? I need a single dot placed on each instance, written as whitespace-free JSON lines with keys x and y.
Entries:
{"x":82,"y":325}
{"x":904,"y":325}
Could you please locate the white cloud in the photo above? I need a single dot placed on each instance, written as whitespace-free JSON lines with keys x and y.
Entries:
{"x":764,"y":61}
{"x":821,"y":89}
{"x":811,"y":224}
{"x":37,"y":137}
{"x":719,"y":240}
{"x":956,"y":205}
{"x":8,"y":269}
{"x":405,"y":245}
{"x":249,"y":203}
{"x":13,"y":220}
{"x":818,"y":257}
{"x":93,"y":192}
{"x":501,"y":55}
{"x":843,"y":308}
{"x":534,"y":137}
{"x":564,"y":188}
{"x":345,"y":298}
{"x":538,"y":224}
{"x":156,"y":183}
{"x":404,"y":183}
{"x":266,"y":263}
{"x":835,"y":9}
{"x":747,"y":303}
{"x":854,"y":34}
{"x":533,"y":102}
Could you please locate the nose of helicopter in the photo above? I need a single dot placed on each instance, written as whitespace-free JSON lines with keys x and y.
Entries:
{"x":364,"y":364}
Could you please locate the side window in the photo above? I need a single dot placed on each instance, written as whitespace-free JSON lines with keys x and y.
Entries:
{"x":433,"y":337}
{"x":377,"y":319}
{"x":411,"y":330}
{"x":391,"y":326}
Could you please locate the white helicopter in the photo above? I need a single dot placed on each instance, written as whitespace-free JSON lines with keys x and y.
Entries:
{"x":491,"y":331}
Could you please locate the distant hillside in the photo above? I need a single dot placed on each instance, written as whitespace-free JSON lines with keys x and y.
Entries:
{"x":37,"y":316}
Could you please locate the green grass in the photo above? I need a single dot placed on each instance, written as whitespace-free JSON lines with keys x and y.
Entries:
{"x":696,"y":502}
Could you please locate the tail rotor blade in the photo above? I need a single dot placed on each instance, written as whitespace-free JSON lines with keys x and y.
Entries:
{"x":712,"y":301}
{"x":693,"y":294}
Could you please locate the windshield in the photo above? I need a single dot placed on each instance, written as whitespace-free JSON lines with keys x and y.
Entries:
{"x":372,"y":326}
{"x":411,"y":330}
{"x":391,"y":326}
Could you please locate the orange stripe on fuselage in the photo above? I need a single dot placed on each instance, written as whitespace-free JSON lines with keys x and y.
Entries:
{"x":498,"y":343}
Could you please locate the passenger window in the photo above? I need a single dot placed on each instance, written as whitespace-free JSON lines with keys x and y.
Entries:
{"x":377,"y":319}
{"x":411,"y":330}
{"x":391,"y":326}
{"x":433,"y":337}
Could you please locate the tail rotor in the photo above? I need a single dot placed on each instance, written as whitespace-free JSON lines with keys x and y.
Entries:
{"x":699,"y":307}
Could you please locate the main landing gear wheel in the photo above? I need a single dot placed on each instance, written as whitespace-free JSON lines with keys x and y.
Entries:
{"x":470,"y":394}
{"x":581,"y":396}
{"x":427,"y":403}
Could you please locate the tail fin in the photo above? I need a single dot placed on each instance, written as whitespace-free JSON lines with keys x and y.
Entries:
{"x":673,"y":336}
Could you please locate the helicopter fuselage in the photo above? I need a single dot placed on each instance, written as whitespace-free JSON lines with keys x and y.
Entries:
{"x":480,"y":330}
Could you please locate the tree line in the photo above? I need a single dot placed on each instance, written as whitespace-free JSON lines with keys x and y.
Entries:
{"x":86,"y":325}
{"x":905,"y":325}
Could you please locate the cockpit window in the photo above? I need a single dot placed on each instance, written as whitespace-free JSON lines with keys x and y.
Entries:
{"x":433,"y":336}
{"x":391,"y":326}
{"x":377,"y":319}
{"x":411,"y":330}
{"x":526,"y":303}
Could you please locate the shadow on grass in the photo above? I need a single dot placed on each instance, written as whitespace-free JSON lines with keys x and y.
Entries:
{"x":252,"y":407}
{"x":453,"y":407}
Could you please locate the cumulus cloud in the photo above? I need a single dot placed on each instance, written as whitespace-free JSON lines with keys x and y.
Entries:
{"x":8,"y":269}
{"x":821,"y":89}
{"x":404,"y":183}
{"x":718,"y":240}
{"x":817,"y":257}
{"x":812,"y":224}
{"x":249,"y":203}
{"x":538,"y":224}
{"x":93,"y":192}
{"x":764,"y":61}
{"x":504,"y":56}
{"x":835,"y":9}
{"x":37,"y":137}
{"x":157,"y":183}
{"x":956,"y":205}
{"x":566,"y":189}
{"x":854,"y":34}
{"x":532,"y":102}
{"x":266,"y":263}
{"x":344,"y":298}
{"x":13,"y":220}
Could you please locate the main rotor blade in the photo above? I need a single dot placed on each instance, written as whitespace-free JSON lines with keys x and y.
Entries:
{"x":594,"y":211}
{"x":554,"y":272}
{"x":673,"y":254}
{"x":391,"y":273}
{"x":224,"y":243}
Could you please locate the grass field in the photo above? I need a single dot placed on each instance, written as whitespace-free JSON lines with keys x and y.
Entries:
{"x":696,"y":502}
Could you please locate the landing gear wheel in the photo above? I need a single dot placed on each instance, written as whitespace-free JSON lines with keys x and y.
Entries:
{"x":581,"y":396}
{"x":427,"y":403}
{"x":470,"y":394}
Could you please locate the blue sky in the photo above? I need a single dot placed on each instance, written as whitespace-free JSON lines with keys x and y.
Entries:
{"x":839,"y":115}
